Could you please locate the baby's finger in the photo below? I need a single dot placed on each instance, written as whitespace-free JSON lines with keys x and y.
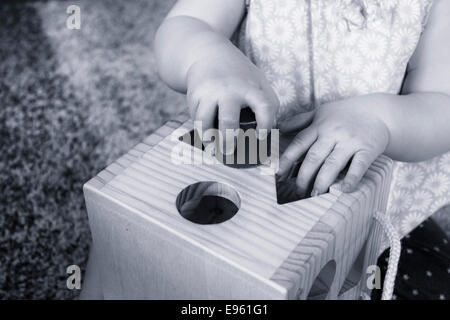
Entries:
{"x":193,"y":102}
{"x":298,"y":146}
{"x":360,"y":163}
{"x":263,"y":109}
{"x":229,"y":115}
{"x":297,"y":122}
{"x":206,"y":114}
{"x":316,"y":155}
{"x":333,"y":165}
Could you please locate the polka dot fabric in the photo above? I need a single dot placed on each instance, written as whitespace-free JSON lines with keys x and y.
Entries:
{"x":317,"y":51}
{"x":424,"y":269}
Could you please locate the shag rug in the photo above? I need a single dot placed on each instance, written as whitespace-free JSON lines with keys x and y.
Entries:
{"x":71,"y":102}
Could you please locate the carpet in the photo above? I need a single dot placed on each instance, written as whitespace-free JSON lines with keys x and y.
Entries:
{"x":72,"y":101}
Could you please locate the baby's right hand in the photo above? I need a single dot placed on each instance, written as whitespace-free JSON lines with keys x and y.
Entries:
{"x":223,"y":85}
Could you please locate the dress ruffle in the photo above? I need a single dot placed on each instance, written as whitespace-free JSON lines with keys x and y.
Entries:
{"x":347,"y":15}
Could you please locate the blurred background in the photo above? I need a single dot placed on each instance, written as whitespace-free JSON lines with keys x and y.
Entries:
{"x":71,"y":101}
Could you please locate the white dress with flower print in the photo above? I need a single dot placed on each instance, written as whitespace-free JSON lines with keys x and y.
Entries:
{"x":316,"y":51}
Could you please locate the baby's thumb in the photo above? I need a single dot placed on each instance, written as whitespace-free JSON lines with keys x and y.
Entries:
{"x":297,"y":122}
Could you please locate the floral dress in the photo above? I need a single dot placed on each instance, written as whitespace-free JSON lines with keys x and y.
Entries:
{"x":317,"y":51}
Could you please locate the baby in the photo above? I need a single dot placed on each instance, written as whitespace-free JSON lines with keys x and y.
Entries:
{"x":324,"y":56}
{"x":353,"y":79}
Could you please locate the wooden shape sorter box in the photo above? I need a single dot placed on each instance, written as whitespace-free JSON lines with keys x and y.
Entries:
{"x":145,"y":245}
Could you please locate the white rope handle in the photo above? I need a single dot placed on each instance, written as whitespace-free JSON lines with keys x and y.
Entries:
{"x":394,"y":254}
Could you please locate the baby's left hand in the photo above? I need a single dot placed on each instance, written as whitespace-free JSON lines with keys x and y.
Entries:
{"x":331,"y":136}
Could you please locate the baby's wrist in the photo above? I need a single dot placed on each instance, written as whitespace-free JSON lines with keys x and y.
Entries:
{"x":214,"y":55}
{"x":385,"y":107}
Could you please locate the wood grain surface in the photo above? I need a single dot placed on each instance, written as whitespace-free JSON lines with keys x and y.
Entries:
{"x":147,"y":249}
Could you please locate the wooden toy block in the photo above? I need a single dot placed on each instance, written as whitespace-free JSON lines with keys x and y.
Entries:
{"x":313,"y":248}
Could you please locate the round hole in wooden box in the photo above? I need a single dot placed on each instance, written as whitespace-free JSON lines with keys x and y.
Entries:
{"x":355,"y":274}
{"x":208,"y":202}
{"x":322,"y":284}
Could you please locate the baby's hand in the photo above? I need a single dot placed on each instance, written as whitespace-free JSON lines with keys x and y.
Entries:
{"x":223,"y":85}
{"x":335,"y":134}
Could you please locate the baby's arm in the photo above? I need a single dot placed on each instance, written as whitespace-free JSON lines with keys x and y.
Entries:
{"x":194,"y":54}
{"x":413,"y":126}
{"x":193,"y":30}
{"x":419,"y":119}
